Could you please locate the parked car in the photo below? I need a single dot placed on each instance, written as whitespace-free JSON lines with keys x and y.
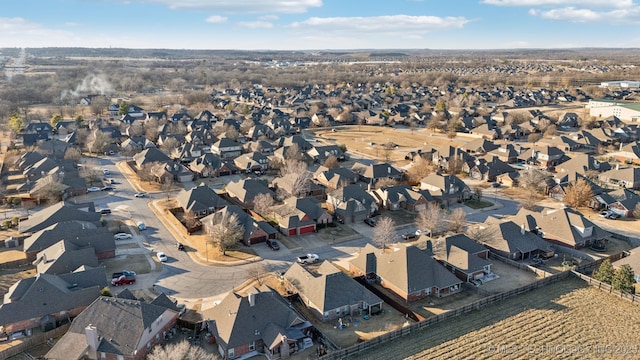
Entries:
{"x":180,"y":246}
{"x":420,"y":232}
{"x":105,"y":211}
{"x":162,"y":257}
{"x":106,"y":171}
{"x":122,"y":236}
{"x":613,"y":216}
{"x":123,"y":278}
{"x":107,"y":188}
{"x":141,"y":226}
{"x":273,"y":245}
{"x":495,"y":185}
{"x":139,"y":195}
{"x":409,"y":236}
{"x":93,"y":189}
{"x":308,"y":259}
{"x":605,"y":214}
{"x":370,"y":221}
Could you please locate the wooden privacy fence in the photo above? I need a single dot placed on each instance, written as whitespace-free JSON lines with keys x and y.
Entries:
{"x":606,"y":287}
{"x":520,"y":265}
{"x":360,"y":347}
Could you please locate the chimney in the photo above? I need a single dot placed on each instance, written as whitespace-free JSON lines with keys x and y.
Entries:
{"x":388,"y":169}
{"x":44,"y":258}
{"x":252,"y":299}
{"x":522,"y":229}
{"x":91,"y":334}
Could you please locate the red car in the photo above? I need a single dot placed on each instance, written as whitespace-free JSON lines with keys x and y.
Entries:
{"x":123,"y":280}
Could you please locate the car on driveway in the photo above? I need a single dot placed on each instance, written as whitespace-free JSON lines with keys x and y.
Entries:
{"x":180,"y":246}
{"x":139,"y":195}
{"x":162,"y":257}
{"x":122,"y":236}
{"x":107,"y":188}
{"x":370,"y":221}
{"x":613,"y":216}
{"x":273,"y":245}
{"x":605,"y":214}
{"x":106,"y":171}
{"x":93,"y":189}
{"x":409,"y":236}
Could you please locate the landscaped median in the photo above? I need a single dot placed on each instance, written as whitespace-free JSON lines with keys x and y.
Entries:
{"x":197,"y":244}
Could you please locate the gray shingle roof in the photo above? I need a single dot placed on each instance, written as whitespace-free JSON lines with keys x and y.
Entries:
{"x":56,"y":213}
{"x":200,"y":198}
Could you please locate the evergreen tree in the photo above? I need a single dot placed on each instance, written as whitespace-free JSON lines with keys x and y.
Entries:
{"x":605,"y":272}
{"x":623,"y":279}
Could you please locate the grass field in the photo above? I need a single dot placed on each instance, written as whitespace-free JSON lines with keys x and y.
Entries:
{"x":564,"y":320}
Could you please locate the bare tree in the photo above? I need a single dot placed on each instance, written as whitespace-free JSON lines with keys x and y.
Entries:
{"x":151,"y":131}
{"x":50,"y":189}
{"x":147,"y":172}
{"x":181,"y":350}
{"x":169,"y":145}
{"x":384,"y":233}
{"x":534,"y":137}
{"x":225,"y":231}
{"x":533,"y":179}
{"x":263,"y":204}
{"x":90,"y":170}
{"x":579,"y":194}
{"x":636,"y":211}
{"x":98,"y":141}
{"x":73,"y":153}
{"x":482,"y":233}
{"x":135,"y":130}
{"x":246,"y":125}
{"x":386,"y":182}
{"x":190,"y":219}
{"x":430,"y":219}
{"x":457,"y":220}
{"x":420,"y":168}
{"x":298,"y":177}
{"x":331,"y":162}
{"x":293,"y":153}
{"x":231,"y":133}
{"x":257,"y":272}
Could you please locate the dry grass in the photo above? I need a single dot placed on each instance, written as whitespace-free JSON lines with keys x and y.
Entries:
{"x":11,"y":276}
{"x":358,"y":139}
{"x":565,"y":315}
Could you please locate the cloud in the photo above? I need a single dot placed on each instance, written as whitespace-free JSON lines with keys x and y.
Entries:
{"x":269,"y":17}
{"x":216,"y":19}
{"x":255,"y":24}
{"x":28,"y":33}
{"x":243,"y":6}
{"x":529,"y":3}
{"x":392,"y":24}
{"x":573,"y":14}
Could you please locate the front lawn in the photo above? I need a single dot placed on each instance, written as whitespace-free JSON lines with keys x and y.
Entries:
{"x":475,"y":204}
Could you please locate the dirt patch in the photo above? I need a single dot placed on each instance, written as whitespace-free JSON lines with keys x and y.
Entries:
{"x":9,"y":255}
{"x":11,"y":276}
{"x":510,"y":278}
{"x":564,"y":315}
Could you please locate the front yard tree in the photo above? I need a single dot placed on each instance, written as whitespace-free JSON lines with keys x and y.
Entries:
{"x":384,"y":233}
{"x":457,"y":220}
{"x":386,"y":182}
{"x":430,"y":219}
{"x":605,"y":272}
{"x":579,"y":194}
{"x":420,"y":168}
{"x":293,"y":153}
{"x":16,"y":123}
{"x":532,"y":179}
{"x":90,"y":170}
{"x":331,"y":162}
{"x":73,"y":154}
{"x":263,"y":203}
{"x":226,"y":232}
{"x":55,"y":119}
{"x":124,"y":108}
{"x":98,"y":141}
{"x":190,"y":219}
{"x":298,"y":175}
{"x":169,"y":145}
{"x":623,"y":279}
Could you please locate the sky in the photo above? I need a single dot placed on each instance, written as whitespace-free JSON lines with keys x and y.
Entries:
{"x":321,"y":24}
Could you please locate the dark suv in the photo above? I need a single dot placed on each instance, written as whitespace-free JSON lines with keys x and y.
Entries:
{"x":273,"y":245}
{"x":370,"y":221}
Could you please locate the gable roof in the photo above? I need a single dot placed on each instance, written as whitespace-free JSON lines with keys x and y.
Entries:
{"x":62,"y":211}
{"x":199,"y":198}
{"x":64,"y":257}
{"x":79,"y":233}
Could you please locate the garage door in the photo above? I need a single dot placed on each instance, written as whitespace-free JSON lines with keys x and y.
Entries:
{"x":292,"y":232}
{"x":306,"y":229}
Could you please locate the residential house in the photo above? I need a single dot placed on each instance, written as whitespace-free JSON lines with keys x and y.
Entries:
{"x":43,"y":300}
{"x":245,"y":190}
{"x":65,"y":257}
{"x":581,"y":164}
{"x":330,"y":294}
{"x":507,"y":153}
{"x":626,"y":178}
{"x":251,"y":162}
{"x":489,"y":170}
{"x":565,"y":227}
{"x":411,"y":273}
{"x":201,"y":200}
{"x":301,"y":216}
{"x":626,"y":202}
{"x":62,"y":211}
{"x":150,"y":156}
{"x":628,"y":153}
{"x":373,"y":172}
{"x":255,"y":230}
{"x":210,"y":165}
{"x":514,"y":242}
{"x":464,"y":257}
{"x":446,"y":188}
{"x":186,"y":152}
{"x":171,"y":171}
{"x":117,"y":328}
{"x":335,"y":178}
{"x":293,"y":185}
{"x":545,"y":156}
{"x":82,"y":234}
{"x":260,"y":323}
{"x":226,"y":148}
{"x":402,"y":197}
{"x":351,"y":203}
{"x":320,"y":154}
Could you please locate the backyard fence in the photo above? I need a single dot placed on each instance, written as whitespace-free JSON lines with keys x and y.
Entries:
{"x":520,"y":265}
{"x":36,"y":339}
{"x":606,"y":287}
{"x":363,"y":346}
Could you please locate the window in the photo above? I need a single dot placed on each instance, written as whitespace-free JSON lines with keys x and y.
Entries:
{"x":338,"y":311}
{"x":231,"y":353}
{"x":252,"y":346}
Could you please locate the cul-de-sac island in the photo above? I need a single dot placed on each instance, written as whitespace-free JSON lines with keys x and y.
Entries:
{"x":319,"y":205}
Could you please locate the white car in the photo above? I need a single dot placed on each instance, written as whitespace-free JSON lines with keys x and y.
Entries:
{"x":139,"y":195}
{"x":162,"y":257}
{"x":93,"y":189}
{"x":105,"y":171}
{"x":122,"y":236}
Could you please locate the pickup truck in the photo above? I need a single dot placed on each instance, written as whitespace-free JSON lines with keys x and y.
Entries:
{"x":123,"y":278}
{"x":308,"y":259}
